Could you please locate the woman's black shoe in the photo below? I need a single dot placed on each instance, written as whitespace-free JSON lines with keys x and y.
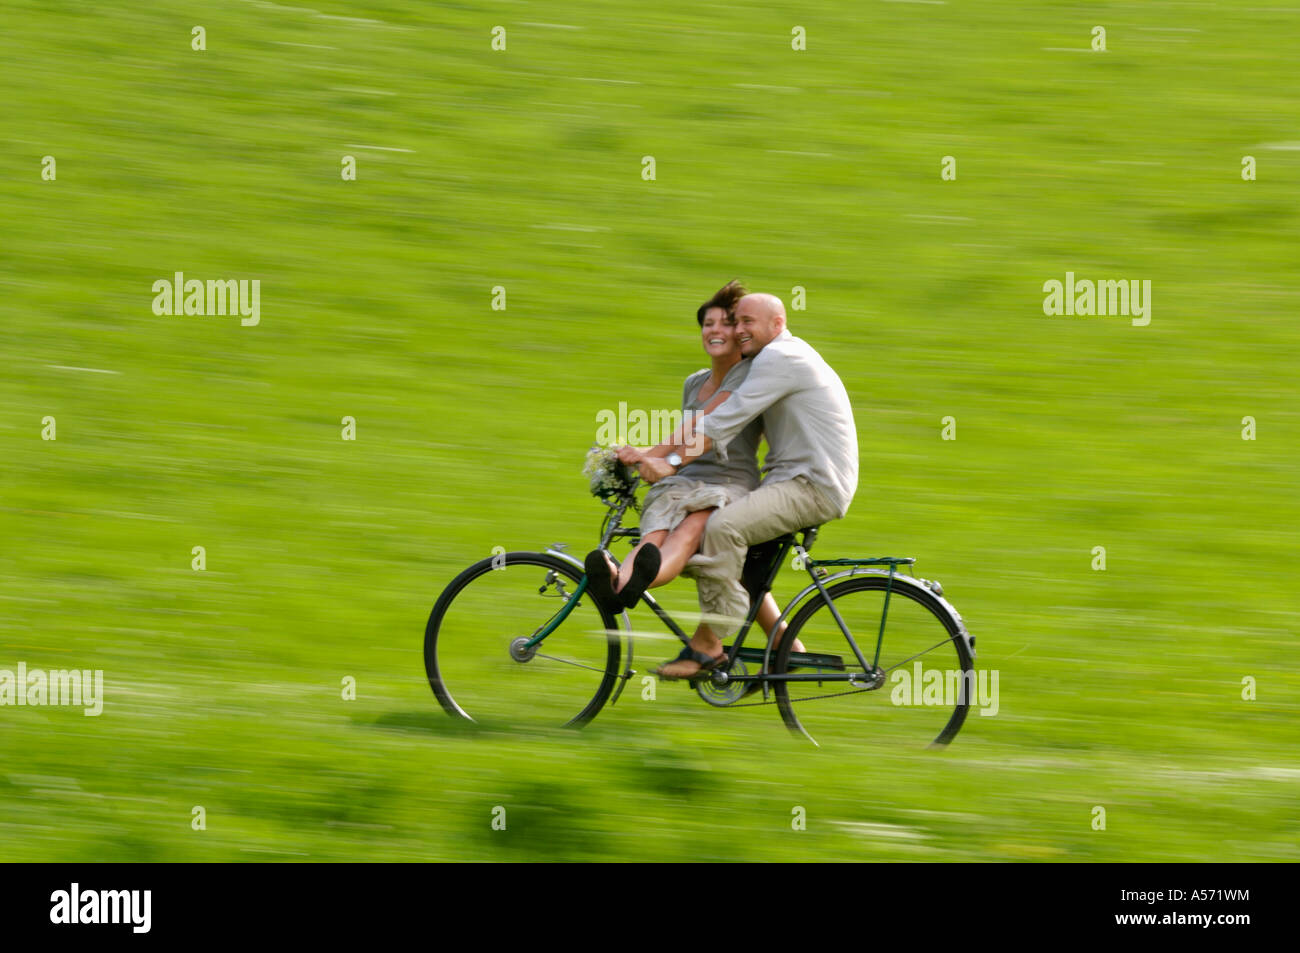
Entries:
{"x":644,"y":569}
{"x":600,"y":582}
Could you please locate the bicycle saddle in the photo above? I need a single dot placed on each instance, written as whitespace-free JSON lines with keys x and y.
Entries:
{"x":760,"y":561}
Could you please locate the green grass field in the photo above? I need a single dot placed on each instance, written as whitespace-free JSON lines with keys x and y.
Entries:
{"x":522,"y":168}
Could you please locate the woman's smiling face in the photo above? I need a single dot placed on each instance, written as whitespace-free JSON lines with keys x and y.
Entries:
{"x":719,"y":334}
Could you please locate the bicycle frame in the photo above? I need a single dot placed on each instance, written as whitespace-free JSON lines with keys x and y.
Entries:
{"x":787,"y":543}
{"x":820,"y":581}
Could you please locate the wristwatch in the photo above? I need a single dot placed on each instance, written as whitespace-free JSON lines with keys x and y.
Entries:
{"x":675,"y":461}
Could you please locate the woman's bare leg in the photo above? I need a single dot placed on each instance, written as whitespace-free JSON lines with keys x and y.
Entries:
{"x":674,"y":549}
{"x":682,"y":543}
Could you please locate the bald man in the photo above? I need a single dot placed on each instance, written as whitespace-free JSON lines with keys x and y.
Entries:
{"x":811,"y":468}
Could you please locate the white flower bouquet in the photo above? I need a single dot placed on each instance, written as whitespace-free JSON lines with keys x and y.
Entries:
{"x":611,"y":481}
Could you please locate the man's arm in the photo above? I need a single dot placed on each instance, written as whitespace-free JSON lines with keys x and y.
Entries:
{"x":688,"y":443}
{"x":772,"y":377}
{"x":685,"y":441}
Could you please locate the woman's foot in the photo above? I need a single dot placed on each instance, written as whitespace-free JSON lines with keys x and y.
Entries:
{"x":645,"y":567}
{"x":601,"y":573}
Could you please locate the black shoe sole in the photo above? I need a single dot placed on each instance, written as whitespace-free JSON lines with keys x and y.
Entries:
{"x":600,"y":583}
{"x":644,"y":570}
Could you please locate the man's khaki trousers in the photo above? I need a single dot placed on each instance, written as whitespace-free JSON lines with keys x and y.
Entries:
{"x":770,"y":511}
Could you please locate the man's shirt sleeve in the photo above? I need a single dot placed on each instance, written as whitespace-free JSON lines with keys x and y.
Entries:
{"x":768,"y":381}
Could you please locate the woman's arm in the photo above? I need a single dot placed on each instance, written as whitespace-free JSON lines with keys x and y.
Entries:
{"x":683,"y":439}
{"x":634,"y":455}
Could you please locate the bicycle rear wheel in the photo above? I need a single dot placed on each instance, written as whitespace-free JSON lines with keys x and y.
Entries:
{"x":474,"y":657}
{"x":915,"y":694}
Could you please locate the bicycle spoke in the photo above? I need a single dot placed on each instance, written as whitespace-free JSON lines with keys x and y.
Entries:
{"x":563,"y":661}
{"x":918,"y":654}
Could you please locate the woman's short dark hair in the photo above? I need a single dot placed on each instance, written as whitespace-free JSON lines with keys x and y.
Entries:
{"x":726,"y":299}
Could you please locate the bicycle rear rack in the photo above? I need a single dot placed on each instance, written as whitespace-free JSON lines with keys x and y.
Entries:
{"x":893,"y":561}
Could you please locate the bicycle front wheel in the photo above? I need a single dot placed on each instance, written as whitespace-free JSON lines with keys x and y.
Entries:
{"x":480,"y":669}
{"x":918,"y":690}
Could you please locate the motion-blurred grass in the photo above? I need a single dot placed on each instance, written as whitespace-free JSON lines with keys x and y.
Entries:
{"x":522,"y":169}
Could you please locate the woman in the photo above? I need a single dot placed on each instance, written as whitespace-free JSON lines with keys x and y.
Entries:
{"x":678,"y":506}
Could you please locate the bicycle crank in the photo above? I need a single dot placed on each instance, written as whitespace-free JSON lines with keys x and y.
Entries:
{"x":720,"y":688}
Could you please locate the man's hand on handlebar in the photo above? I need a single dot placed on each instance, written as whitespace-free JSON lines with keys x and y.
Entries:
{"x":630,"y":455}
{"x":654,"y":469}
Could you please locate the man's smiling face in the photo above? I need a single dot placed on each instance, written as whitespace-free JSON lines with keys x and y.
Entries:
{"x":758,"y":323}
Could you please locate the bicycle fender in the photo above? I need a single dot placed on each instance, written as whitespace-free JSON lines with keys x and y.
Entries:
{"x":899,"y":580}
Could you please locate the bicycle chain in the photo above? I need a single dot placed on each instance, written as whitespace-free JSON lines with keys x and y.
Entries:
{"x":810,"y":698}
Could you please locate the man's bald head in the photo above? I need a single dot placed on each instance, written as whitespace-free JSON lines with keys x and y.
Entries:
{"x":759,"y":319}
{"x":771,"y":304}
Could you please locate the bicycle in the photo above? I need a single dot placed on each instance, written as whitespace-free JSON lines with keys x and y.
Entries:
{"x":496,"y":622}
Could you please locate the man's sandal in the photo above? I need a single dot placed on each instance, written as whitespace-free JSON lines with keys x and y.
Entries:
{"x":707,"y":664}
